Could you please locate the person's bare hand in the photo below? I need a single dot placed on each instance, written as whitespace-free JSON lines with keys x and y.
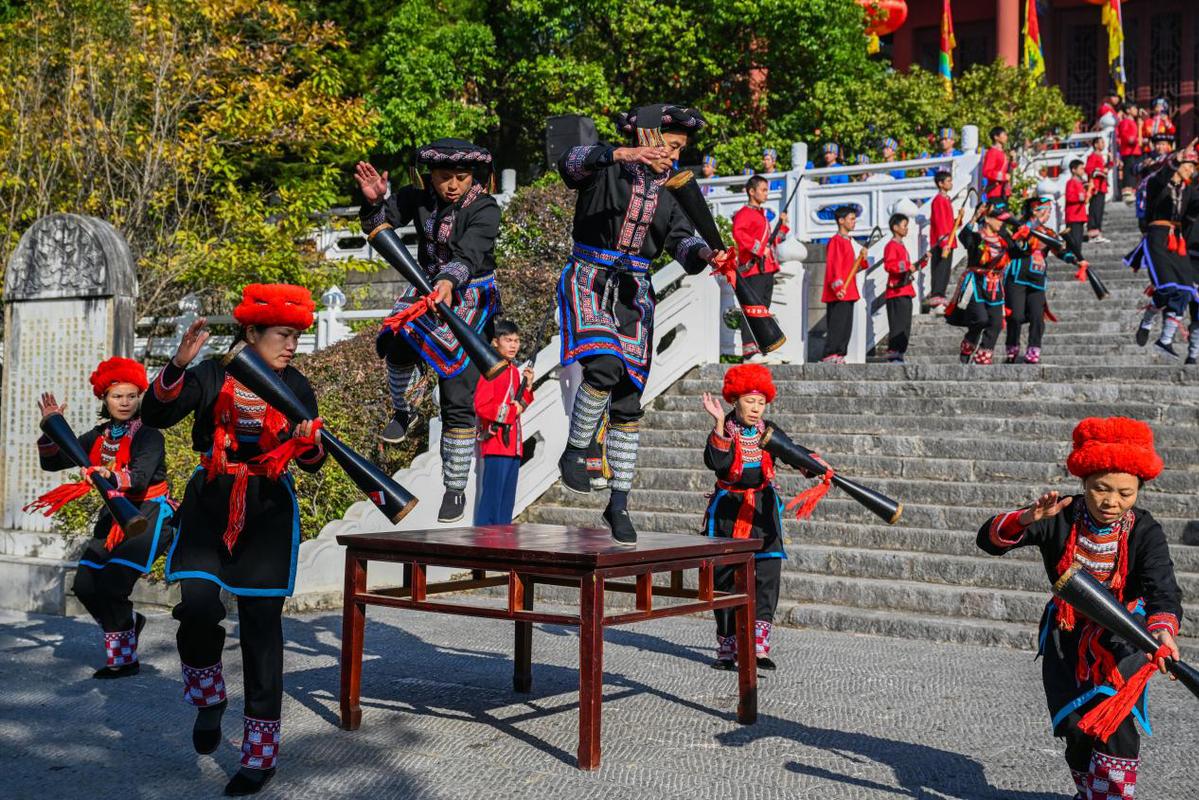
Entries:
{"x":1166,"y":638}
{"x":372,"y":184}
{"x":443,"y":291}
{"x":715,"y":409}
{"x":1047,"y":505}
{"x":304,"y":431}
{"x":526,"y":375}
{"x":48,"y":405}
{"x":641,"y":155}
{"x":192,"y":342}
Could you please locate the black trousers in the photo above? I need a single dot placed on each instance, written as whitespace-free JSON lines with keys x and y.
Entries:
{"x":1095,"y":211}
{"x":105,"y":595}
{"x":1130,"y":175}
{"x":984,"y":335}
{"x":840,"y":327}
{"x":763,"y":287}
{"x":767,"y":576}
{"x":1027,"y":306}
{"x":456,"y":394}
{"x":940,"y":268}
{"x":899,"y":323}
{"x":201,"y":638}
{"x":1075,"y":233}
{"x":608,"y":373}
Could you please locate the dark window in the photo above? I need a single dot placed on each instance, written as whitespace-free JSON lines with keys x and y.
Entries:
{"x":1165,"y":57}
{"x":1082,"y":65}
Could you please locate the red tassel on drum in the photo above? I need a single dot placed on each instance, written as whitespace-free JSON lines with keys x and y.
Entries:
{"x":115,"y":537}
{"x":806,"y":501}
{"x":418,"y":309}
{"x":276,"y":460}
{"x":1103,"y":720}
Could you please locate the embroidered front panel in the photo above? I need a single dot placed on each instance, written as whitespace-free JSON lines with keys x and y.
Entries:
{"x":474,"y":303}
{"x":575,"y":162}
{"x":749,"y":439}
{"x":249,"y":410}
{"x":1097,"y":547}
{"x":645,"y":191}
{"x":439,"y":227}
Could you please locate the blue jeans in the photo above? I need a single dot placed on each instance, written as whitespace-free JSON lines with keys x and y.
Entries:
{"x":498,"y":494}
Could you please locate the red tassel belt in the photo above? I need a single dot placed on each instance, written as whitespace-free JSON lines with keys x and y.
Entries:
{"x":241,"y":473}
{"x":744,"y":525}
{"x":115,"y":534}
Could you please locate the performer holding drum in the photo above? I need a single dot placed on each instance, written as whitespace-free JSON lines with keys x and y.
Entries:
{"x":1088,"y":672}
{"x":457,"y":223}
{"x":131,"y":457}
{"x":239,"y":523}
{"x":624,"y":218}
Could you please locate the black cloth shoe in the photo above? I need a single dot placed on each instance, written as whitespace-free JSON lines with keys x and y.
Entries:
{"x":766,"y":664}
{"x":1168,"y":349}
{"x":248,"y":781}
{"x":398,"y":428}
{"x":573,"y":466}
{"x":1142,"y":336}
{"x":726,"y":664}
{"x":621,"y":526}
{"x":206,"y":732}
{"x":963,"y":358}
{"x":129,"y":670}
{"x":1190,"y":360}
{"x":453,"y":506}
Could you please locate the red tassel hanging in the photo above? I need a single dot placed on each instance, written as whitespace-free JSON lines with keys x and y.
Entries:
{"x":237,"y":506}
{"x":59,"y":496}
{"x":418,"y":309}
{"x":805,"y":502}
{"x":1081,"y":275}
{"x":115,"y":537}
{"x":1103,"y":720}
{"x":276,"y":460}
{"x":745,"y":515}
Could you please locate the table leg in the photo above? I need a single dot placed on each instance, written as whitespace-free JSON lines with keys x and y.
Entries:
{"x":591,"y":668}
{"x":522,"y":672}
{"x":353,"y":624}
{"x":747,"y":662}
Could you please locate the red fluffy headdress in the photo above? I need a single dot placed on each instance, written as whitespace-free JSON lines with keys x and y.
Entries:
{"x":1114,"y":444}
{"x":118,"y":370}
{"x":275,"y":304}
{"x":747,"y":379}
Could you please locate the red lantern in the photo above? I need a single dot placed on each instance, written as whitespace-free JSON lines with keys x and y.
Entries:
{"x":884,"y":17}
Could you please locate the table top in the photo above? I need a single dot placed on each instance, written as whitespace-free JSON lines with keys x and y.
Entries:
{"x":546,"y":544}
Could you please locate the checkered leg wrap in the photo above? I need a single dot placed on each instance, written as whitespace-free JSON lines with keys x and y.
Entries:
{"x":1169,"y":328}
{"x":621,"y":447}
{"x":967,"y":348}
{"x":1033,"y":356}
{"x":983,"y":357}
{"x":762,"y":630}
{"x":1112,"y":778}
{"x":589,"y":407}
{"x":457,"y":450}
{"x":120,"y":647}
{"x":205,"y":686}
{"x":399,"y":381}
{"x":1013,"y":353}
{"x":1193,"y":346}
{"x":726,"y":647}
{"x":260,"y":745}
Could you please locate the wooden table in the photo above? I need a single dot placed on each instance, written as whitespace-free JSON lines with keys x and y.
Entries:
{"x":550,"y":554}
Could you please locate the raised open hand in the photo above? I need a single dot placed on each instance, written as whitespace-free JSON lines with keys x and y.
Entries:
{"x":48,"y":405}
{"x":715,"y":409}
{"x":192,"y":342}
{"x":1049,"y":504}
{"x":372,"y":184}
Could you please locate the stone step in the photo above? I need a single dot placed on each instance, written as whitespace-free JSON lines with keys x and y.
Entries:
{"x":1051,"y":357}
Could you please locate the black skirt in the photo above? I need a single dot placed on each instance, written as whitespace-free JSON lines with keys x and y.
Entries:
{"x":136,"y":552}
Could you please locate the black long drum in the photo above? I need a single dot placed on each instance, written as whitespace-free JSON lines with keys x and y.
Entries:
{"x":388,"y":495}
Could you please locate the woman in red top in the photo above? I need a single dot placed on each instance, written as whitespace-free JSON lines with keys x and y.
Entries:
{"x":840,"y":290}
{"x":900,"y":290}
{"x":1097,"y":166}
{"x":499,"y":402}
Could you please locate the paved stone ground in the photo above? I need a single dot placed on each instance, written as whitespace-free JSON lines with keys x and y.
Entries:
{"x":845,"y":717}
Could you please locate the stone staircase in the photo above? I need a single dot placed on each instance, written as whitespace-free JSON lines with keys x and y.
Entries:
{"x":955,"y":444}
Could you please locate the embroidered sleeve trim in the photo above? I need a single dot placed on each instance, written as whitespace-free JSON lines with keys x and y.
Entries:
{"x":688,"y":249}
{"x":576,"y":162}
{"x":164,"y":392}
{"x":455,"y":272}
{"x":720,"y":442}
{"x":1006,"y":530}
{"x":45,"y":446}
{"x":372,"y":217}
{"x":311,"y":455}
{"x":1163,"y":621}
{"x":124,"y":479}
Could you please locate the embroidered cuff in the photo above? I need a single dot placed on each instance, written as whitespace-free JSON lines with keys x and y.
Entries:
{"x":1006,"y":530}
{"x":686,"y":252}
{"x":311,"y":455}
{"x":46,"y":447}
{"x":371,"y":217}
{"x":168,"y":383}
{"x":123,"y":479}
{"x":583,"y":160}
{"x":455,"y":272}
{"x":719,"y":442}
{"x":1163,"y":621}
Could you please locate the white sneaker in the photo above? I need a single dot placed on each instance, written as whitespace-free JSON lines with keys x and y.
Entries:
{"x":756,"y":358}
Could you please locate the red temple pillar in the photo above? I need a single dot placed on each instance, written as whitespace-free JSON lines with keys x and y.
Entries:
{"x":1007,"y":31}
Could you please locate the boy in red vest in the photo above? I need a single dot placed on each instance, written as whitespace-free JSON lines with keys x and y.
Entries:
{"x":1128,"y":141}
{"x":1076,"y":206}
{"x":756,"y":261}
{"x":1097,"y":166}
{"x":840,"y":290}
{"x":900,"y":291}
{"x":941,"y":237}
{"x":997,"y":168}
{"x":499,"y":402}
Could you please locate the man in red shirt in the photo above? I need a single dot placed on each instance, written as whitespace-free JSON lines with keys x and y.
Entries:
{"x":757,"y":263}
{"x":941,"y":239}
{"x":499,"y":403}
{"x":840,"y":289}
{"x":1128,"y":142}
{"x":900,"y":290}
{"x":997,"y":168}
{"x":1097,"y":167}
{"x":1076,"y":206}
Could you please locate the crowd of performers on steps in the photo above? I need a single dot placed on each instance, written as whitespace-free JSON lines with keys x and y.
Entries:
{"x":1094,"y":680}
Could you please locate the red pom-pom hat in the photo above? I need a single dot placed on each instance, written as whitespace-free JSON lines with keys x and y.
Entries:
{"x":270,"y":304}
{"x":748,"y":379}
{"x":1114,"y":444}
{"x":118,"y":370}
